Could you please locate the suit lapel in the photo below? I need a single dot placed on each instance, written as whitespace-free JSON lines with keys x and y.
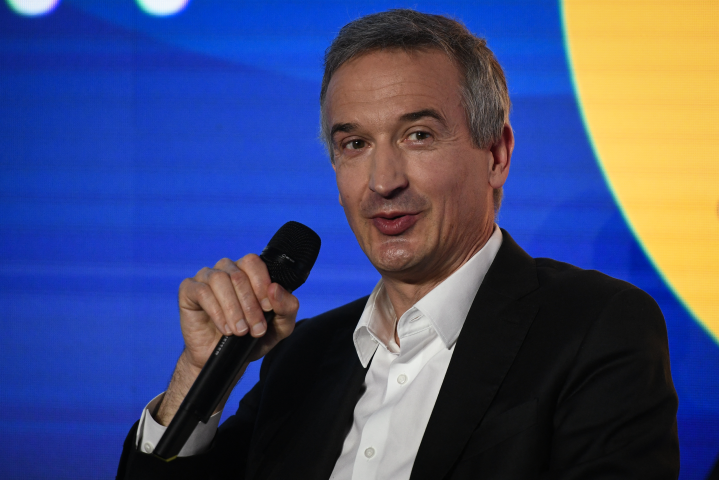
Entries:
{"x":312,"y":438}
{"x":490,"y":339}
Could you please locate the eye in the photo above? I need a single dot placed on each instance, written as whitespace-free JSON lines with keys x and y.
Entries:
{"x":355,"y":144}
{"x":418,"y":136}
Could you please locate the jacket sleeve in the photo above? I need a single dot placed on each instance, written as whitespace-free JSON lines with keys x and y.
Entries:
{"x":616,"y":415}
{"x":226,"y":457}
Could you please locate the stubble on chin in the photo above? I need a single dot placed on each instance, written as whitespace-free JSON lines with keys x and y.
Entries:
{"x":392,"y":255}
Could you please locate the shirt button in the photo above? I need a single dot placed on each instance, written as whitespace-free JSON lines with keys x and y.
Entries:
{"x":369,"y":452}
{"x":148,"y":447}
{"x":402,"y":379}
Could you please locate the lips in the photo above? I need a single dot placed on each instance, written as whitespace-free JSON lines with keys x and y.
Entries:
{"x":395,"y":224}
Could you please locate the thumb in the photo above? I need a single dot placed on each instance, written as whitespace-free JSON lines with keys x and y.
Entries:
{"x":283,"y":302}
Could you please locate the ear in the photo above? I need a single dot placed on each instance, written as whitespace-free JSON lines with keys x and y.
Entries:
{"x":339,"y":195}
{"x":501,"y":157}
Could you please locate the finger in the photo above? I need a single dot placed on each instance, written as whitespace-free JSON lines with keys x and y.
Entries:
{"x":239,"y":325}
{"x":199,"y":295}
{"x":285,"y":306}
{"x":283,"y":302}
{"x":223,"y":288}
{"x":259,"y":276}
{"x":252,"y":311}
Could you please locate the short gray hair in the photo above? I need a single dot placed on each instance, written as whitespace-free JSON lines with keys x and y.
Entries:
{"x":484,"y":89}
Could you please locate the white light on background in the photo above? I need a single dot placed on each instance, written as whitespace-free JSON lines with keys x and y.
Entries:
{"x":162,"y":8}
{"x":32,"y":8}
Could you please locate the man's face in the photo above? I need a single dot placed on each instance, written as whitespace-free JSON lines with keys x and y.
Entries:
{"x":415,"y":190}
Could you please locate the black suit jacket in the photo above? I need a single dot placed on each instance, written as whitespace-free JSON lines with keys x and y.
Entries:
{"x":558,"y":373}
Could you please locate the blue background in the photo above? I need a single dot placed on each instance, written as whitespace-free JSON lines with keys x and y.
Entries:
{"x":135,"y":150}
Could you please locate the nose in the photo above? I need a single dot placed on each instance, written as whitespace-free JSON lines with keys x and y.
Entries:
{"x":388,"y":176}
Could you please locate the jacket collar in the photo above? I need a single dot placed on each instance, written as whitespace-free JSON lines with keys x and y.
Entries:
{"x":488,"y":343}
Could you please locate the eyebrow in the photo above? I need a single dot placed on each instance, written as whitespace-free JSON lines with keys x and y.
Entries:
{"x":427,"y":112}
{"x":342,"y":127}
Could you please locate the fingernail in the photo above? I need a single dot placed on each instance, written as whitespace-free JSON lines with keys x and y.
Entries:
{"x":242,"y":327}
{"x":266,"y":305}
{"x":227,"y":330}
{"x":280,"y":294}
{"x":259,"y":329}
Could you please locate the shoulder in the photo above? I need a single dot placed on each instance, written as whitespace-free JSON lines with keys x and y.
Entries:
{"x":593,"y":315}
{"x":588,"y":313}
{"x":612,"y":394}
{"x":556,"y":274}
{"x":586,"y":290}
{"x":554,"y":285}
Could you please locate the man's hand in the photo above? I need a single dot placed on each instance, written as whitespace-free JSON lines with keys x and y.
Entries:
{"x":229,"y":299}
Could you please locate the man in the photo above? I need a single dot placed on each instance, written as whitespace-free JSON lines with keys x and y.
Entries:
{"x":469,"y":359}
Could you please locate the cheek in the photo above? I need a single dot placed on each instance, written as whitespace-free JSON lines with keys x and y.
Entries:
{"x":443,"y":179}
{"x":344,"y":192}
{"x":455,"y":187}
{"x":350,"y":186}
{"x":349,"y":198}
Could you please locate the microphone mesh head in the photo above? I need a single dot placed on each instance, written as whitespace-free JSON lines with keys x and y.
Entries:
{"x":291,"y":254}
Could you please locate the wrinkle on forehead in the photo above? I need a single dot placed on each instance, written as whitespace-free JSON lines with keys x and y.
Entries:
{"x":383,"y":78}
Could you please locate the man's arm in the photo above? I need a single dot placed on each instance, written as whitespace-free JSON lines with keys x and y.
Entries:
{"x":220,"y":461}
{"x":616,"y":416}
{"x":229,"y":299}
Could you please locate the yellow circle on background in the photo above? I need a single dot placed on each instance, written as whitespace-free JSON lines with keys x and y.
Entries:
{"x":647,"y":77}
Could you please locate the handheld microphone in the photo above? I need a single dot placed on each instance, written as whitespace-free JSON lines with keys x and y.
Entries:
{"x":289,"y":257}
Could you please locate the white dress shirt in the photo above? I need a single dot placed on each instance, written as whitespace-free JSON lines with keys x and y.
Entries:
{"x":149,"y":432}
{"x":402,"y":383}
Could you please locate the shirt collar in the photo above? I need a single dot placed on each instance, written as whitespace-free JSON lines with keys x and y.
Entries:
{"x":446,"y":306}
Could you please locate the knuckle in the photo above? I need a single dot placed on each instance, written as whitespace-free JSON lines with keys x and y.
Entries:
{"x":216,"y":276}
{"x":216,"y":313}
{"x":186,"y":284}
{"x":247,"y":297}
{"x":252,"y":263}
{"x":224,"y":262}
{"x":203,"y":272}
{"x":238,"y":278}
{"x":203,"y":291}
{"x":250,"y":257}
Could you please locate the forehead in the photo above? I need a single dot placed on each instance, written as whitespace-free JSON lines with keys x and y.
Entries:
{"x":386,"y":82}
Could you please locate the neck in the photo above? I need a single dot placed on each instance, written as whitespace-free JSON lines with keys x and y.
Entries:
{"x":403,"y":293}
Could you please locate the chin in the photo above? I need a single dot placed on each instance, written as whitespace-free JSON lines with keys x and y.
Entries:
{"x":395,"y":259}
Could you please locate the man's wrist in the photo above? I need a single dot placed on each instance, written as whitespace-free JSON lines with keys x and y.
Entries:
{"x":182,"y":379}
{"x":189,"y":368}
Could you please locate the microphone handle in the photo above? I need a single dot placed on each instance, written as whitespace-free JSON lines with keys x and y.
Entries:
{"x":213,"y":382}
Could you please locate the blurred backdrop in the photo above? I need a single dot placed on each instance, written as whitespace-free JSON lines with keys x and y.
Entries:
{"x":142,"y":140}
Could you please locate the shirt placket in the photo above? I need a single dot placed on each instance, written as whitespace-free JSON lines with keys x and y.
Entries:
{"x":400,"y":372}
